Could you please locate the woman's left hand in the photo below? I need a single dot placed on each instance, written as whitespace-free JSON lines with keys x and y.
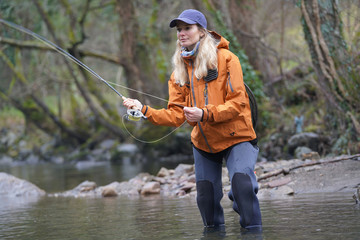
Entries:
{"x":193,"y":114}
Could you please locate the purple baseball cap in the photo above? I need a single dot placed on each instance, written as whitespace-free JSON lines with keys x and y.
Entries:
{"x":190,"y":16}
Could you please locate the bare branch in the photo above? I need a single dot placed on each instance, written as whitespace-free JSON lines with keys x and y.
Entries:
{"x":39,"y":46}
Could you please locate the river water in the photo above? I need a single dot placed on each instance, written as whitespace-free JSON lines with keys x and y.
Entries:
{"x":307,"y":216}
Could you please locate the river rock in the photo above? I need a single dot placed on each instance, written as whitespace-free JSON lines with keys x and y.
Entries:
{"x":163,"y":172}
{"x":356,"y":196}
{"x":311,"y":156}
{"x":57,"y":159}
{"x":5,"y":159}
{"x":131,"y":188}
{"x":127,"y":148}
{"x":108,"y":192}
{"x":11,"y":186}
{"x":307,"y":139}
{"x":32,"y":159}
{"x":279,"y":182}
{"x":182,"y":169}
{"x":86,"y":186}
{"x":191,"y":178}
{"x":274,"y":193}
{"x":84,"y":189}
{"x":188,"y":186}
{"x":151,"y":188}
{"x":8,"y":138}
{"x":299,"y":151}
{"x":107,"y":144}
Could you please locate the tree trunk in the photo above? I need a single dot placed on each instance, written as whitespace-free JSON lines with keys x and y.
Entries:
{"x":112,"y":127}
{"x":128,"y":46}
{"x":337,"y":78}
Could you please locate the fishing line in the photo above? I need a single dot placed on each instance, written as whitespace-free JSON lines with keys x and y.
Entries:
{"x":154,"y":141}
{"x":132,"y":114}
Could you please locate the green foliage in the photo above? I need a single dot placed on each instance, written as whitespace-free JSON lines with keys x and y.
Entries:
{"x":10,"y":113}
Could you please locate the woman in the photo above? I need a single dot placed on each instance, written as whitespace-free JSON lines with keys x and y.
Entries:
{"x":208,"y":80}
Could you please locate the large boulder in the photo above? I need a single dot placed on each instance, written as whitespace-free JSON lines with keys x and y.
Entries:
{"x":11,"y":186}
{"x":311,"y":140}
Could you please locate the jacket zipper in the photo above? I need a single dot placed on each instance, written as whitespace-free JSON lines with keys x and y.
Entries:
{"x":193,"y":93}
{"x":229,"y":83}
{"x":192,"y":82}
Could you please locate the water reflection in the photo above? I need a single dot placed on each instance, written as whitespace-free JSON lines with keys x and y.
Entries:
{"x":62,"y":177}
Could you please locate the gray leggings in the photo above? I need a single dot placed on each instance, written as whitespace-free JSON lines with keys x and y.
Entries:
{"x":240,"y":161}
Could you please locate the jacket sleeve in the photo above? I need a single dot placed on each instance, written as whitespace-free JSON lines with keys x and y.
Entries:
{"x":174,"y":114}
{"x":236,"y":99}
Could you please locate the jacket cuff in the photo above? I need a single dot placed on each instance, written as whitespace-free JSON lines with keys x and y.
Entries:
{"x":205,"y":116}
{"x":144,"y":110}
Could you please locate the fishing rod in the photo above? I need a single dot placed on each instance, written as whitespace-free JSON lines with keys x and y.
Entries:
{"x":133,"y":114}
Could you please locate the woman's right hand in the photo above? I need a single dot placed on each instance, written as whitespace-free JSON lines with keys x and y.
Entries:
{"x":132,"y":103}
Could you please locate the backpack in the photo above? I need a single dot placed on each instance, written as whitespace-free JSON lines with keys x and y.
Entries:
{"x":253,"y":105}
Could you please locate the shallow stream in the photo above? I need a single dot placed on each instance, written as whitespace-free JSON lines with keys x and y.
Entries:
{"x":308,"y":216}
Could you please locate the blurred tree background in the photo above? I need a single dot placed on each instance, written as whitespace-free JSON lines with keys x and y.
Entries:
{"x":300,"y":58}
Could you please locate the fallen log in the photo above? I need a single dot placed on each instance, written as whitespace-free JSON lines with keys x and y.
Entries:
{"x":321,"y":161}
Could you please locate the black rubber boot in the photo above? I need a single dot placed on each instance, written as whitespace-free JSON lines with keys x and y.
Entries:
{"x":205,"y":201}
{"x":246,"y":203}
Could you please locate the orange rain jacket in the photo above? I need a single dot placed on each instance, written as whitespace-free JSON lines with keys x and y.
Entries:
{"x":227,"y":115}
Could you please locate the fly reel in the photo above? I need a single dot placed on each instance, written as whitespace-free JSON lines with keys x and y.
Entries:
{"x":134,"y":115}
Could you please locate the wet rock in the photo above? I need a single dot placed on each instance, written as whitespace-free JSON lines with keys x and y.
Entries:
{"x":356,"y":196}
{"x":127,"y":148}
{"x":109,"y":192}
{"x":11,"y":186}
{"x":181,"y":193}
{"x":84,"y":189}
{"x":32,"y":159}
{"x":85,"y":186}
{"x":151,"y":188}
{"x":299,"y":151}
{"x":57,"y":159}
{"x":107,"y":144}
{"x":307,"y":139}
{"x":273,"y":193}
{"x":188,"y":186}
{"x":182,"y":169}
{"x":191,"y":178}
{"x":145,"y":177}
{"x":279,"y":182}
{"x":8,"y":138}
{"x":5,"y":159}
{"x":130,"y":188}
{"x":311,"y":156}
{"x":285,"y":190}
{"x":163,"y":172}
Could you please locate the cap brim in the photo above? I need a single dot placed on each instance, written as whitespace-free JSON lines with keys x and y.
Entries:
{"x":186,"y":20}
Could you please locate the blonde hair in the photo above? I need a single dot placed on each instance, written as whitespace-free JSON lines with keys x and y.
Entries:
{"x":205,"y":59}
